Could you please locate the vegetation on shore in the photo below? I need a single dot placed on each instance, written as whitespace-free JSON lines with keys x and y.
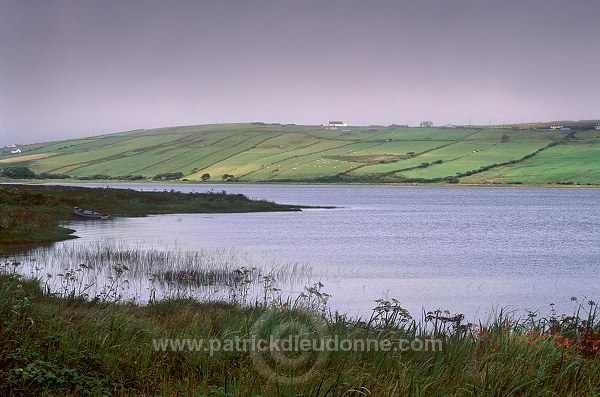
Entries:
{"x":71,"y":346}
{"x":260,"y":152}
{"x":31,"y":213}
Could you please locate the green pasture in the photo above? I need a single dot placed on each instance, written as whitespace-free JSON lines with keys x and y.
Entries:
{"x":271,"y":152}
{"x":577,"y":162}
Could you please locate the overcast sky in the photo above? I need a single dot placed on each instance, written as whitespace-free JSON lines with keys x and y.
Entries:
{"x":77,"y":68}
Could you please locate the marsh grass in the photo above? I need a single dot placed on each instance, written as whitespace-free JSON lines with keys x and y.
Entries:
{"x":71,"y":345}
{"x":144,"y":274}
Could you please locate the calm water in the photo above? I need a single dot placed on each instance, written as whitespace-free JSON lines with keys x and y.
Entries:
{"x":465,"y":249}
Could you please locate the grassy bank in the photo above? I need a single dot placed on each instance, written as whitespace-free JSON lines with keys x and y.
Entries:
{"x":31,"y":214}
{"x":262,"y":152}
{"x":68,"y":346}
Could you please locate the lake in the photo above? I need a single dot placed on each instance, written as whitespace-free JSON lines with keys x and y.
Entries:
{"x":469,"y":250}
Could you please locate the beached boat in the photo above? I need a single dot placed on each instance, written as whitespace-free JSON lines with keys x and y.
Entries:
{"x":86,"y":213}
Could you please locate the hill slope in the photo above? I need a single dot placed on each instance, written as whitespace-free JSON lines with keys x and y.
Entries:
{"x":273,"y":152}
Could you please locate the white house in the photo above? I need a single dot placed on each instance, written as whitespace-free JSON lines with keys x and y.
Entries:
{"x":427,"y":124}
{"x":450,"y":126}
{"x":338,"y":124}
{"x":556,"y":127}
{"x":15,"y":151}
{"x":11,"y":146}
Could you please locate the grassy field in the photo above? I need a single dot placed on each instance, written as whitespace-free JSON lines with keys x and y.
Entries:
{"x":292,"y":153}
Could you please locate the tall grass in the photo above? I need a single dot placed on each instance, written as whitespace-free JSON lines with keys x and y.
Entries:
{"x":142,"y":273}
{"x":69,"y":345}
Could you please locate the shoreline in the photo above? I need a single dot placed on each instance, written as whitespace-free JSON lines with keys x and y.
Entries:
{"x":233,"y":183}
{"x":31,"y":213}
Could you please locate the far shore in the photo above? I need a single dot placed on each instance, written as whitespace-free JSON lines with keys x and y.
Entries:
{"x":67,"y":182}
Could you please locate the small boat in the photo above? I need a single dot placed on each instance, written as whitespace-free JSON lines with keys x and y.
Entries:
{"x":90,"y":213}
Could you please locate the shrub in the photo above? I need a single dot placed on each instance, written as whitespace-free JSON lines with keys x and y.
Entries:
{"x":17,"y":173}
{"x":168,"y":176}
{"x":227,"y":177}
{"x":129,"y":178}
{"x":46,"y":175}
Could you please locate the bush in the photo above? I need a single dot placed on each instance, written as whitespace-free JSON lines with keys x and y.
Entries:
{"x":46,"y":175}
{"x":129,"y":178}
{"x":17,"y":173}
{"x":168,"y":176}
{"x":94,"y":177}
{"x":205,"y":176}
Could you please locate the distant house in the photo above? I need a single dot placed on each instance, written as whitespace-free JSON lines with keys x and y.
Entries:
{"x":15,"y":151}
{"x":565,"y":129}
{"x":11,"y":146}
{"x":346,"y":132}
{"x":333,"y":125}
{"x":556,"y":127}
{"x":426,"y":124}
{"x":450,"y":126}
{"x":597,"y":127}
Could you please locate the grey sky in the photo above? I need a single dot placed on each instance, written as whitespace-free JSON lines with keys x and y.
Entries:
{"x":75,"y":68}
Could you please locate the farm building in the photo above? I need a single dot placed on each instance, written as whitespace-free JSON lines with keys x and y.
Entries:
{"x":15,"y":151}
{"x":347,"y":132}
{"x":427,"y":124}
{"x":372,"y":129}
{"x":450,"y":126}
{"x":338,"y":124}
{"x":556,"y":127}
{"x":565,"y":129}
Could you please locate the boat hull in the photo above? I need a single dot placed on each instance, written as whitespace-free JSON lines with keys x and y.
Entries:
{"x":91,"y":214}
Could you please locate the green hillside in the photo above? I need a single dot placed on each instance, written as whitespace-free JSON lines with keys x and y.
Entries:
{"x":274,"y":152}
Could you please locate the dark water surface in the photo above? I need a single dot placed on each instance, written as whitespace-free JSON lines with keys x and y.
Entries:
{"x":465,"y":249}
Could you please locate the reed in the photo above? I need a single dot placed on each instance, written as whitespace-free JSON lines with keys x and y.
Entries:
{"x":143,"y":273}
{"x":68,"y":345}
